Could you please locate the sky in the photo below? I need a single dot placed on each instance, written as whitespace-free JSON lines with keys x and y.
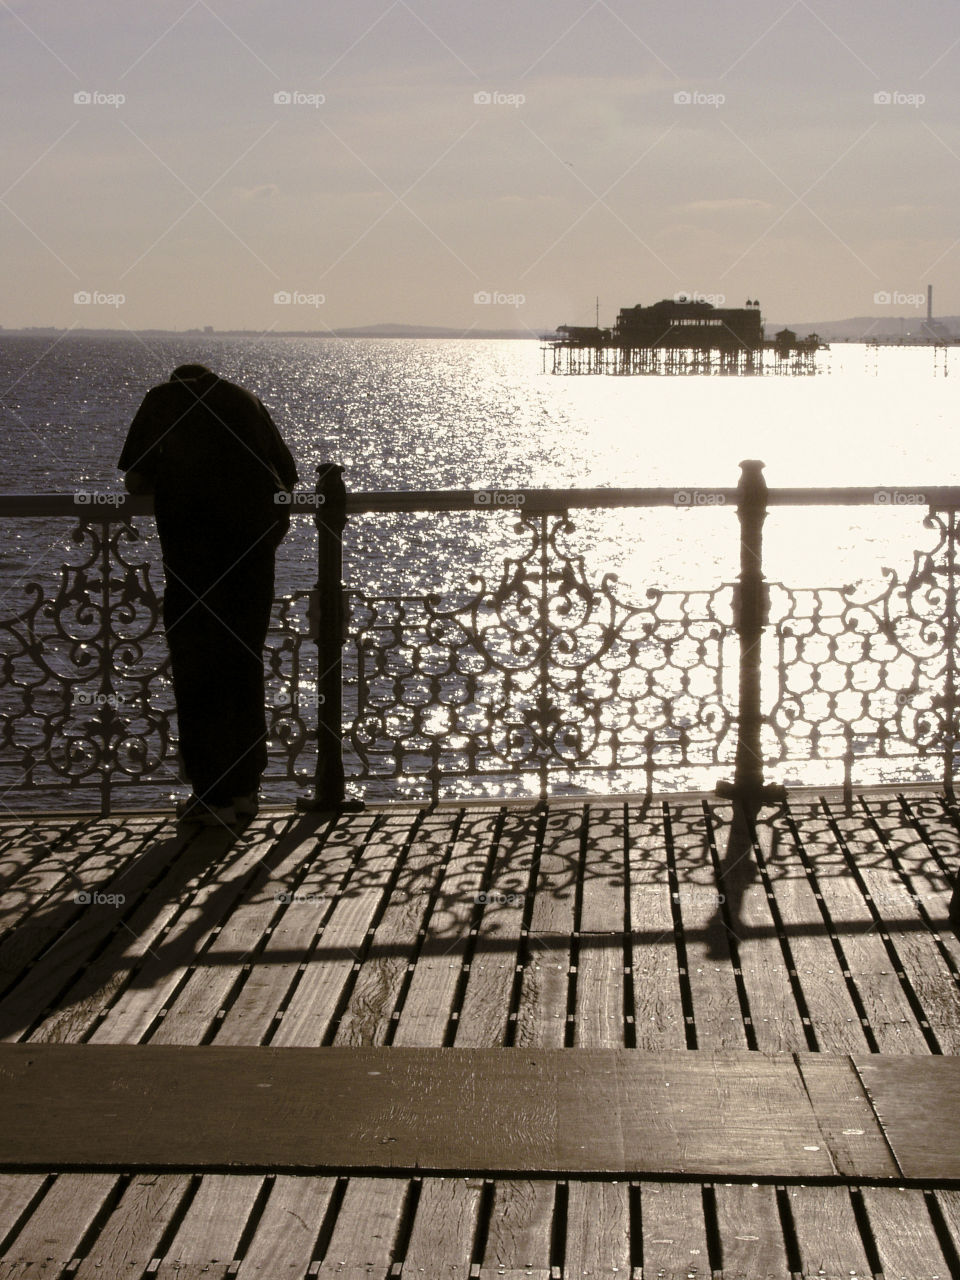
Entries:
{"x":255,"y":164}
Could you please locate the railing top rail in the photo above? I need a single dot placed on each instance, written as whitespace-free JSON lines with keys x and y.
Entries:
{"x":118,"y":506}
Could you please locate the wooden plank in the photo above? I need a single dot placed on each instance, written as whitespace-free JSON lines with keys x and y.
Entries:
{"x":845,"y":1115}
{"x":53,"y":1233}
{"x":330,"y":857}
{"x":362,"y":1244}
{"x":658,"y":1007}
{"x":518,"y":1242}
{"x":949,"y":1204}
{"x":282,"y":1247}
{"x":16,"y":1192}
{"x":674,"y":1232}
{"x":207,"y":1238}
{"x":603,"y":895}
{"x":444,"y":1228}
{"x":486,"y":1000}
{"x":887,"y":1009}
{"x":827,"y":1234}
{"x":430,"y":996}
{"x":833,"y":1015}
{"x":368,"y":1017}
{"x":542,"y":1009}
{"x":129,"y":1238}
{"x":917,"y":1101}
{"x":751,"y":1233}
{"x":157,"y":979}
{"x":545,"y":1110}
{"x":775,"y":1018}
{"x":599,"y":993}
{"x":598,"y":1229}
{"x":76,"y":989}
{"x":904,"y":1234}
{"x":308,"y":1016}
{"x":921,"y":962}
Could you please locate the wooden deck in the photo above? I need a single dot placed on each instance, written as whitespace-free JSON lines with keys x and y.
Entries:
{"x":819,"y":952}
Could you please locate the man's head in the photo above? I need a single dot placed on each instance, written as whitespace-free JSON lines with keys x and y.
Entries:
{"x":188,"y":372}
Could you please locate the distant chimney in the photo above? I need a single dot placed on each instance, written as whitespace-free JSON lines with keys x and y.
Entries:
{"x":929,"y":301}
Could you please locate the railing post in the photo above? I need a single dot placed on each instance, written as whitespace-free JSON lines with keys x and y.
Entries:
{"x":751,"y":610}
{"x":329,"y":625}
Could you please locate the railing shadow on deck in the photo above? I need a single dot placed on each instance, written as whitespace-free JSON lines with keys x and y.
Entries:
{"x":65,"y":960}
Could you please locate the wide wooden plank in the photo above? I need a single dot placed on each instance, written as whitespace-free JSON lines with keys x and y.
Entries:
{"x":717,"y":1014}
{"x":658,"y":1006}
{"x":430,"y":997}
{"x":368,"y":1017}
{"x":846,"y":1117}
{"x":905,"y":1236}
{"x":593,"y":1110}
{"x":674,"y":1231}
{"x":518,"y":1243}
{"x":598,"y":1229}
{"x":50,"y":1238}
{"x":128,"y":1239}
{"x":282,"y":1247}
{"x":362,"y":1244}
{"x":444,"y":1228}
{"x":917,"y":1100}
{"x":751,"y":1233}
{"x":484,"y":1013}
{"x":827,"y":1234}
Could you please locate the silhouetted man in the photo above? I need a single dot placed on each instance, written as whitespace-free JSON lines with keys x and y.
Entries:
{"x":212,"y":457}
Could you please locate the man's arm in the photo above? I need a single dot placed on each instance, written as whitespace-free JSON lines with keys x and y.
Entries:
{"x":278,"y":454}
{"x":139,"y":455}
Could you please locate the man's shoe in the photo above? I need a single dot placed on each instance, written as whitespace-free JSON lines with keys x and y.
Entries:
{"x":247,"y":806}
{"x":198,"y":813}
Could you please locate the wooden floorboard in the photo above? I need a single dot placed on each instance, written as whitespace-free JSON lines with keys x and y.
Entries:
{"x":819,"y":938}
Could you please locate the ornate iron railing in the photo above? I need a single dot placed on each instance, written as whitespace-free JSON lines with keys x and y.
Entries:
{"x":537,"y":678}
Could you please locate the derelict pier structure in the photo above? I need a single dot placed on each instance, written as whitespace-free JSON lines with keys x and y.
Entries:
{"x":679,"y":336}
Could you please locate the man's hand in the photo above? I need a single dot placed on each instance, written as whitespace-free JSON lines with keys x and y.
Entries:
{"x":136,"y":482}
